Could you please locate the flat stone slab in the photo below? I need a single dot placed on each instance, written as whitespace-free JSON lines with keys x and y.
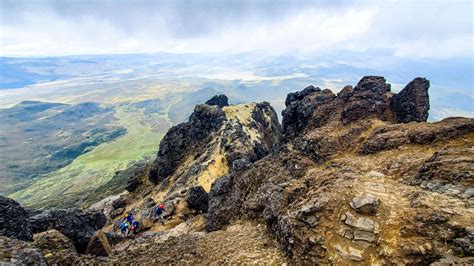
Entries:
{"x":349,"y":253}
{"x":364,"y":235}
{"x":361,"y":223}
{"x":365,"y":203}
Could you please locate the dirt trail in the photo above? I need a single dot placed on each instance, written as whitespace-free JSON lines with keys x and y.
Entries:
{"x":241,"y":243}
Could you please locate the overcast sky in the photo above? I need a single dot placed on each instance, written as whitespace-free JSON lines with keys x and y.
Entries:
{"x":421,"y":29}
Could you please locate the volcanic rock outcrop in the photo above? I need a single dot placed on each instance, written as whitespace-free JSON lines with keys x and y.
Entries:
{"x":370,"y":98}
{"x":14,"y":220}
{"x":412,"y":103}
{"x":214,"y":142}
{"x":353,"y":183}
{"x":220,"y":100}
{"x":197,"y":199}
{"x":77,"y":225}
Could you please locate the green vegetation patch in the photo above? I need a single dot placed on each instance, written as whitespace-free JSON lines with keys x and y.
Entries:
{"x":71,"y":185}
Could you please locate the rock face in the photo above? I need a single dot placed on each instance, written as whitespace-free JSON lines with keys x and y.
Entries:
{"x":14,"y":220}
{"x":449,"y":171}
{"x":390,"y":137}
{"x":56,"y":247}
{"x":118,"y":203}
{"x":219,"y":100}
{"x":197,"y":199}
{"x":412,"y":103}
{"x":183,"y":138}
{"x":132,"y":184}
{"x":77,"y":225}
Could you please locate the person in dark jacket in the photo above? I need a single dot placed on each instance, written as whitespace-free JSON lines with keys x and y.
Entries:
{"x":158,"y":213}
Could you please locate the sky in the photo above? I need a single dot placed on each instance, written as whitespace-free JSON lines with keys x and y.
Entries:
{"x":440,"y":29}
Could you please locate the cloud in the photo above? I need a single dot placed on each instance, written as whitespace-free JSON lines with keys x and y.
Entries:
{"x":408,"y":28}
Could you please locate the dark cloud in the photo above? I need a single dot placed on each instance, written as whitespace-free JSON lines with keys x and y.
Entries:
{"x":184,"y":19}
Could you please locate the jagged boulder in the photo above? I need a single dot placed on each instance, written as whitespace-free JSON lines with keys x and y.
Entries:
{"x":77,"y":225}
{"x":300,"y":107}
{"x":369,"y":98}
{"x":14,"y":220}
{"x":197,"y":199}
{"x":53,"y":240}
{"x":99,"y":245}
{"x":314,"y":108}
{"x":299,"y":95}
{"x":219,"y":100}
{"x":58,"y":249}
{"x":412,"y":103}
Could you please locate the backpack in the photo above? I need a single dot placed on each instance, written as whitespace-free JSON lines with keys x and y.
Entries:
{"x":158,"y":210}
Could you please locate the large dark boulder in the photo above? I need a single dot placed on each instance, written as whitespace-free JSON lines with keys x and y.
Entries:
{"x":299,"y":95}
{"x":99,"y":245}
{"x":14,"y":220}
{"x":369,"y":98}
{"x":77,"y":225}
{"x":132,"y":184}
{"x":310,"y":108}
{"x":412,"y":103}
{"x":197,"y":199}
{"x":216,"y":217}
{"x":219,"y":100}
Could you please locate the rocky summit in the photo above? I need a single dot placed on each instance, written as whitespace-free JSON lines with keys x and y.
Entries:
{"x":357,"y":177}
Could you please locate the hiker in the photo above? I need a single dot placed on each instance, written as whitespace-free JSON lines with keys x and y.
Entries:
{"x":158,"y":213}
{"x":128,"y":218}
{"x":135,"y":227}
{"x":124,"y":229}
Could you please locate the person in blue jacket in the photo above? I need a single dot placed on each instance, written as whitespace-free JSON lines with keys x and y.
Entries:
{"x":124,"y":229}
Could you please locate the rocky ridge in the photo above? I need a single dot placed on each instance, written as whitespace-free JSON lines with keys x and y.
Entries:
{"x":354,"y":178}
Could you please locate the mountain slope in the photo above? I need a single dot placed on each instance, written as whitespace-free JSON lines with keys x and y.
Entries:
{"x":354,"y":178}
